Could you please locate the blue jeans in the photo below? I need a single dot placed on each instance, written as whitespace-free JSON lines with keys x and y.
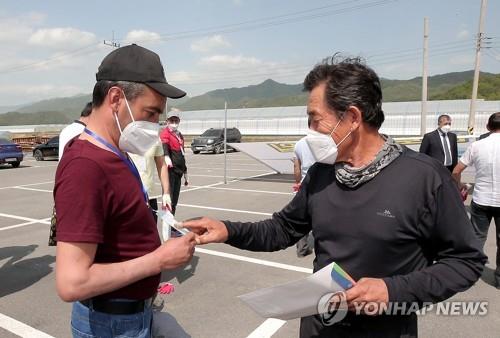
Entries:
{"x":88,"y":323}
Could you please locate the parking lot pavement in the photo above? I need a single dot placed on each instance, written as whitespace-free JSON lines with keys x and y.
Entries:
{"x":205,"y":301}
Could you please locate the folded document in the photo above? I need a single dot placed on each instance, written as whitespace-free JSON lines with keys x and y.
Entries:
{"x":299,"y":298}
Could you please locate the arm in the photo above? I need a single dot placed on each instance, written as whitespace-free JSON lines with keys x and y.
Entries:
{"x":78,"y":277}
{"x":296,"y":170}
{"x":457,"y":173}
{"x":424,"y":146}
{"x":284,"y":229}
{"x":458,"y":258}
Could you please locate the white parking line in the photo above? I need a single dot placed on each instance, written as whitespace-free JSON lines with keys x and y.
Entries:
{"x":43,"y":221}
{"x":267,"y":329}
{"x":228,"y":169}
{"x":32,"y":189}
{"x":254,"y":260}
{"x":26,"y":185}
{"x":224,"y":209}
{"x":252,"y":190}
{"x":22,"y":218}
{"x":20,"y":329}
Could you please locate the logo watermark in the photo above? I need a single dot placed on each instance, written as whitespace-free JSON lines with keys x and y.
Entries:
{"x":333,"y":308}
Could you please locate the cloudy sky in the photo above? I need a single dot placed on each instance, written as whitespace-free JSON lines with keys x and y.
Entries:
{"x":53,"y":48}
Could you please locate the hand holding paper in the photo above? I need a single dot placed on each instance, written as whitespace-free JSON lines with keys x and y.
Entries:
{"x":367,"y":290}
{"x":208,"y":230}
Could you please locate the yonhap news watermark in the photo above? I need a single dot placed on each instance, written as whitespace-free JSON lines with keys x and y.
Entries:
{"x":333,"y":307}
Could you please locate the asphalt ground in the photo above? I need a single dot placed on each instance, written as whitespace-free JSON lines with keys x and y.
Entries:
{"x":205,"y":300}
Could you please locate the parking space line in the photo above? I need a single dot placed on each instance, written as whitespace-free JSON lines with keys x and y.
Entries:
{"x":254,"y":260}
{"x":27,"y":219}
{"x":42,"y":221}
{"x":267,"y":329}
{"x":20,"y":329}
{"x":251,"y":190}
{"x":224,"y":209}
{"x":229,"y":169}
{"x":26,"y":185}
{"x":32,"y":189}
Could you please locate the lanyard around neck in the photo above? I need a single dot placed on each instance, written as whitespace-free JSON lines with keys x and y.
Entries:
{"x":125,"y":159}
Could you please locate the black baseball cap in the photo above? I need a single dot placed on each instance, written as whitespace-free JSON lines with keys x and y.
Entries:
{"x":134,"y":63}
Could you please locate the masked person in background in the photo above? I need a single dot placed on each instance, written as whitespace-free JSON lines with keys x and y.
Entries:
{"x":441,"y":144}
{"x":392,"y":218}
{"x":173,"y":147}
{"x":109,"y":257}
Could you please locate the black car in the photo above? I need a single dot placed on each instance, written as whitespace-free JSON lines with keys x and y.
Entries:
{"x":10,"y":153}
{"x":48,"y":150}
{"x":212,"y":140}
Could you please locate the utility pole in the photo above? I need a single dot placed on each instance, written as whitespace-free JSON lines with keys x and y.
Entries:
{"x":225,"y":142}
{"x":112,"y":43}
{"x":480,"y":37}
{"x":423,"y":115}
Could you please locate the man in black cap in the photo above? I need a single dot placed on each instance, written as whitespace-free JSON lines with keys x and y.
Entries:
{"x":109,"y":256}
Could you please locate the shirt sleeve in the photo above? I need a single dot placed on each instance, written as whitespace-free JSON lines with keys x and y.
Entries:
{"x":452,"y":246}
{"x":158,"y":149}
{"x":81,"y":202}
{"x":467,"y":159}
{"x":284,"y":229}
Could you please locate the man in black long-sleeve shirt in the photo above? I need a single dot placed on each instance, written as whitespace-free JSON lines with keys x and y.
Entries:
{"x":391,"y":217}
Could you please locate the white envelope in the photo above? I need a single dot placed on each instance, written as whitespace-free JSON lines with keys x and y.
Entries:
{"x":295,"y":299}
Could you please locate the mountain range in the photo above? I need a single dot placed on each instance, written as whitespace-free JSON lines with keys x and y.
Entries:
{"x":457,"y":85}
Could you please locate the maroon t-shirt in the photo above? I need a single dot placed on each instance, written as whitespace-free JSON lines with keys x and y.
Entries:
{"x":99,"y":200}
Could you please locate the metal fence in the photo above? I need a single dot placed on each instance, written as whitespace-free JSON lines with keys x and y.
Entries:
{"x":401,"y":118}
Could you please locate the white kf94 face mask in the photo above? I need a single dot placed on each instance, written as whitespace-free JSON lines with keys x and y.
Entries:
{"x":322,"y":146}
{"x":138,"y":136}
{"x":446,"y":128}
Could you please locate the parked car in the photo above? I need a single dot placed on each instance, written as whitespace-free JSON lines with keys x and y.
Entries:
{"x":212,"y":140}
{"x":48,"y":150}
{"x":10,"y":152}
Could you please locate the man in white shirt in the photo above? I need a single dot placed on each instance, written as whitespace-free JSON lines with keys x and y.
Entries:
{"x":485,"y":156}
{"x":153,"y":161}
{"x":74,"y":129}
{"x":303,"y":160}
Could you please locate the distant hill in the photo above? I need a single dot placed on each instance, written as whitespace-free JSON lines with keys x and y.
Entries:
{"x":273,"y":94}
{"x":42,"y":117}
{"x":267,"y":94}
{"x":489,"y":89}
{"x":69,"y":106}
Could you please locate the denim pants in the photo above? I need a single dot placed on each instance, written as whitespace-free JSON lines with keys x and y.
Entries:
{"x":481,"y":218}
{"x":88,"y":323}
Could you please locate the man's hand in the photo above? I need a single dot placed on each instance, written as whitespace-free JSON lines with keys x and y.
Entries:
{"x":367,"y":295}
{"x":186,"y":181}
{"x":166,"y":202}
{"x":176,"y":252}
{"x":208,"y":230}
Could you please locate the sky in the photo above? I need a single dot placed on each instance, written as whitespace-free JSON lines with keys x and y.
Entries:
{"x":53,"y":48}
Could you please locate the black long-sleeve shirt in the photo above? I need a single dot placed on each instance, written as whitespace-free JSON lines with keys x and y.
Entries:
{"x":407,"y":225}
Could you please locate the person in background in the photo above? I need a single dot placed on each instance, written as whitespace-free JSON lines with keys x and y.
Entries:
{"x":74,"y":129}
{"x":153,"y":160}
{"x":390,"y":217}
{"x":109,"y":258}
{"x":484,"y":155}
{"x":441,"y":144}
{"x":173,"y":148}
{"x":303,"y":160}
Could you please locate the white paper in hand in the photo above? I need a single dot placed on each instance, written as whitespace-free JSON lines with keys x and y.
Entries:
{"x":168,"y":221}
{"x":295,"y":299}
